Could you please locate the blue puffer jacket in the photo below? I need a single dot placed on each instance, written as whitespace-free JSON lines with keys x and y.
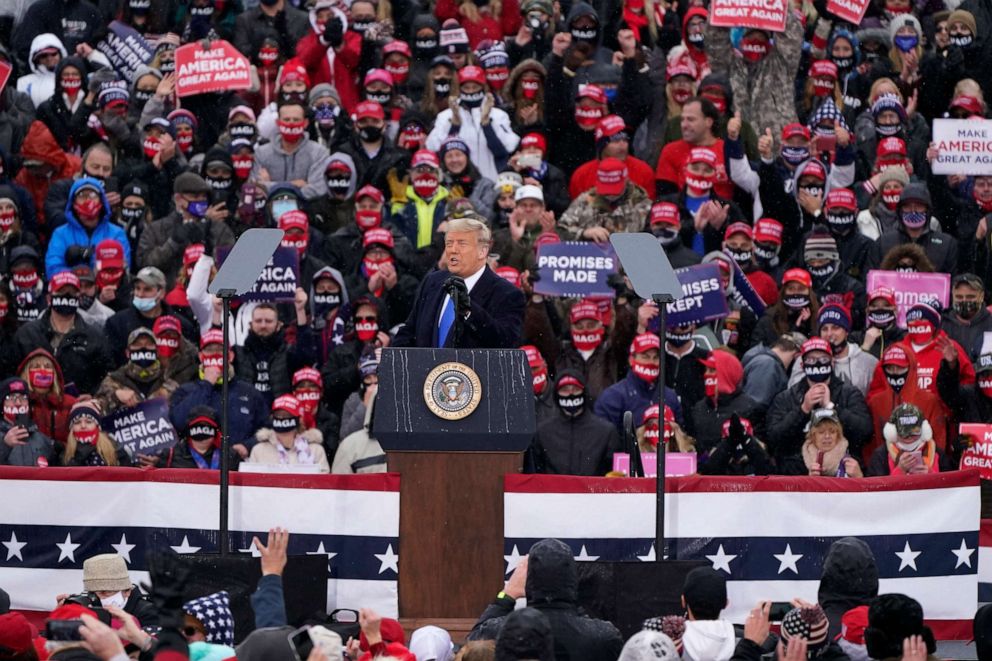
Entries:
{"x":72,"y":233}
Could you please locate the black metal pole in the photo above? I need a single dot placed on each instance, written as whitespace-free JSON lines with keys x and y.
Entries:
{"x":662,"y":301}
{"x":225,"y":444}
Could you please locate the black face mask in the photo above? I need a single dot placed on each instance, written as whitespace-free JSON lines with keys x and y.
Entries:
{"x":840,"y":224}
{"x":819,"y":372}
{"x":764,"y":256}
{"x":141,"y":98}
{"x":167,"y":67}
{"x":679,"y":339}
{"x":742,"y":257}
{"x":442,"y":87}
{"x":242,"y":130}
{"x":370,"y":133}
{"x":896,"y":382}
{"x":572,"y":406}
{"x":823,"y":273}
{"x":294,"y":97}
{"x":143,"y":358}
{"x":133,"y":215}
{"x":588,"y":35}
{"x":796,"y":302}
{"x":473,"y":100}
{"x":424,"y":49}
{"x":285,"y":424}
{"x":881,"y":318}
{"x":382,"y":98}
{"x":85,"y":302}
{"x":324,"y":303}
{"x":65,"y":305}
{"x":962,"y":40}
{"x":219,"y":184}
{"x":844,"y":63}
{"x":339,"y":186}
{"x":361,"y":26}
{"x":966,"y":309}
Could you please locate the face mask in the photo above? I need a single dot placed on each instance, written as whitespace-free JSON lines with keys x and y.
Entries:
{"x":361,"y":26}
{"x":891,"y":200}
{"x":7,"y":219}
{"x":4,"y":309}
{"x":823,"y":272}
{"x":680,"y":96}
{"x":11,"y":411}
{"x":294,"y":97}
{"x":710,"y":386}
{"x":219,"y":184}
{"x":41,"y":378}
{"x":815,"y":191}
{"x":697,"y":39}
{"x":587,"y":340}
{"x":765,"y":256}
{"x":399,"y":72}
{"x":324,"y":303}
{"x":185,"y":142}
{"x":298,"y":243}
{"x":87,"y":437}
{"x":116,"y":600}
{"x":753,"y":50}
{"x":841,"y":223}
{"x":497,"y":77}
{"x":144,"y":304}
{"x":366,"y":330}
{"x":370,"y":133}
{"x":795,"y":155}
{"x":133,"y":215}
{"x":442,"y":87}
{"x":921,"y":332}
{"x":985,"y":385}
{"x":571,"y":406}
{"x":818,"y":372}
{"x":679,"y":339}
{"x":887,"y":130}
{"x":905,"y":269}
{"x":647,"y":372}
{"x":588,"y":117}
{"x":309,"y":399}
{"x":881,"y":318}
{"x":279,"y":207}
{"x":368,"y":218}
{"x":212,"y":361}
{"x":914,"y":219}
{"x":742,"y":257}
{"x":425,"y":185}
{"x":822,"y":87}
{"x":242,"y":130}
{"x":906,"y":42}
{"x":25,"y":279}
{"x":473,"y":99}
{"x":292,"y":132}
{"x":151,"y":146}
{"x":339,"y":187}
{"x":285,"y":425}
{"x":909,"y":444}
{"x":372,"y":266}
{"x":667,"y":237}
{"x":143,"y":358}
{"x":326,"y":116}
{"x":540,"y":380}
{"x":796,"y":301}
{"x":65,"y":305}
{"x":167,"y":67}
{"x":88,"y":210}
{"x":962,"y":40}
{"x":587,"y":34}
{"x":699,"y":185}
{"x":424,"y":49}
{"x":652,"y":436}
{"x":529,"y":88}
{"x":896,"y":382}
{"x":242,"y":167}
{"x":71,"y":85}
{"x":966,"y":309}
{"x":167,"y":346}
{"x":844,"y":63}
{"x":382,"y":98}
{"x":197,"y":209}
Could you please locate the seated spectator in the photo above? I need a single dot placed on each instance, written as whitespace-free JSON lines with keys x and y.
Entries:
{"x":50,"y":403}
{"x":825,"y":452}
{"x":141,"y":378}
{"x":797,"y":309}
{"x":22,"y":442}
{"x":639,"y":389}
{"x":199,"y":443}
{"x":670,"y":434}
{"x":88,"y":222}
{"x":360,"y":452}
{"x":739,"y":451}
{"x":909,"y":447}
{"x":87,"y":444}
{"x":287,"y":441}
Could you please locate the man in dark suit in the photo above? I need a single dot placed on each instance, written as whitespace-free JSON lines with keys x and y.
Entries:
{"x":468,"y":306}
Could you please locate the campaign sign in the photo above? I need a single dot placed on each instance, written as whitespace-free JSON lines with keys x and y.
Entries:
{"x":702,"y":297}
{"x":218,"y":68}
{"x":142,"y":429}
{"x":848,"y":10}
{"x":964,"y":146}
{"x":575,"y":268}
{"x":979,"y":454}
{"x":126,"y":49}
{"x":279,"y":278}
{"x":5,"y":70}
{"x":760,"y":14}
{"x":676,"y":463}
{"x":743,"y":292}
{"x":912,"y":288}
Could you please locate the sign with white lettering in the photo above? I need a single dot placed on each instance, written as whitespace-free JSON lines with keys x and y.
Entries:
{"x":979,"y":452}
{"x":759,"y":14}
{"x":964,"y":146}
{"x":575,"y":268}
{"x":142,"y":429}
{"x":218,"y":68}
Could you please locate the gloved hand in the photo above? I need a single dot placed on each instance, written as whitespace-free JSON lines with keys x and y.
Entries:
{"x":333,"y":32}
{"x":576,"y":55}
{"x":77,"y":254}
{"x":179,"y":234}
{"x":456,"y":288}
{"x":618,"y":283}
{"x":195,"y":232}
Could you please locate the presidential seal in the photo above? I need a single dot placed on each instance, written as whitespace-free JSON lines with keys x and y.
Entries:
{"x":452,"y":391}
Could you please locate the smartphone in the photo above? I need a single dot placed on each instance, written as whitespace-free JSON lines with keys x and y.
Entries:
{"x":778,"y":611}
{"x":23,"y":420}
{"x":819,"y":459}
{"x":530,"y":161}
{"x":63,"y":630}
{"x":916,"y":457}
{"x":301,"y":642}
{"x":825,"y":145}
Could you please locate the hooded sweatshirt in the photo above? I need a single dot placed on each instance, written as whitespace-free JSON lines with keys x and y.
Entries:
{"x":708,"y":640}
{"x":306,"y":162}
{"x":57,"y":111}
{"x":72,"y":233}
{"x":850,"y":579}
{"x":40,"y":145}
{"x":40,"y":84}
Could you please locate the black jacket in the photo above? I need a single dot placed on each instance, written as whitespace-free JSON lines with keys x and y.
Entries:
{"x":941,"y":249}
{"x":37,"y":446}
{"x":279,"y":357}
{"x":495,"y":321}
{"x":83,"y":353}
{"x":74,"y":22}
{"x":553,"y":588}
{"x":786,"y":422}
{"x":575,"y":446}
{"x":129,"y":319}
{"x":684,"y":375}
{"x":181,"y":456}
{"x":969,"y":334}
{"x":374,"y":171}
{"x":849,"y":580}
{"x":253,"y":27}
{"x":705,"y":422}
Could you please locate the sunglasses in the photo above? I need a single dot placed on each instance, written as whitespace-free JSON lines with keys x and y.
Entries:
{"x":372,"y":319}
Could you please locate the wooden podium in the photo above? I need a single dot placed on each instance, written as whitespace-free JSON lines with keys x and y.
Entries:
{"x":453,"y":422}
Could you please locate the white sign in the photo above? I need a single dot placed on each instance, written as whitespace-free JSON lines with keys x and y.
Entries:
{"x":964,"y":146}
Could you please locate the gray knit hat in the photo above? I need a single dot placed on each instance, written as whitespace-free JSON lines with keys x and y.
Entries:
{"x":105,"y":573}
{"x":904,"y":20}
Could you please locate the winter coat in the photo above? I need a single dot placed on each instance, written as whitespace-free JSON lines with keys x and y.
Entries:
{"x":252,"y":27}
{"x":584,"y":178}
{"x":337,"y":66}
{"x":181,"y":456}
{"x":83,"y":353}
{"x":712,"y":237}
{"x":552,"y":588}
{"x":746,"y":650}
{"x":489,"y":146}
{"x":73,"y":22}
{"x":883,"y":401}
{"x":72,"y":233}
{"x":856,"y":368}
{"x":157,"y":247}
{"x":49,"y":412}
{"x":375,"y":170}
{"x":306,"y":162}
{"x":941,"y":249}
{"x":119,"y":327}
{"x":855,"y":251}
{"x":583,"y":445}
{"x":882,"y":461}
{"x":684,"y":375}
{"x":849,"y":580}
{"x":764,"y":90}
{"x":352,"y":414}
{"x":40,"y":83}
{"x":786,"y":421}
{"x":631,"y":394}
{"x":971,"y":334}
{"x":246,"y":407}
{"x":266,"y":450}
{"x":764,"y":375}
{"x":929,"y":361}
{"x":599,"y":372}
{"x":705,"y":421}
{"x":591,"y":210}
{"x":279,"y":357}
{"x":359,"y":452}
{"x":146,"y":384}
{"x":38,"y":450}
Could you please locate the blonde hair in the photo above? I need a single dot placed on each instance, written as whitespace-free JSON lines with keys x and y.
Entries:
{"x":811,"y":433}
{"x":477,"y":650}
{"x":876,"y":92}
{"x":968,"y":87}
{"x":104,"y":446}
{"x":469,"y":224}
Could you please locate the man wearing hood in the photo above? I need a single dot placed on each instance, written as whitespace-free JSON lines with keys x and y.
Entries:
{"x":707,"y":637}
{"x":46,"y":53}
{"x":584,"y":25}
{"x":69,"y":82}
{"x":722,"y":399}
{"x":21,"y":443}
{"x":333,"y":210}
{"x":574,"y":442}
{"x":766,"y":369}
{"x":293,"y":157}
{"x":849,"y":580}
{"x":913,"y":226}
{"x":87,"y":223}
{"x":547,"y":578}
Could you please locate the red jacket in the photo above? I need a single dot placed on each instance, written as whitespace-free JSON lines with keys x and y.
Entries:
{"x":671,"y":167}
{"x":927,"y":364}
{"x":486,"y":27}
{"x":40,"y":145}
{"x":50,"y":412}
{"x":584,"y":178}
{"x":316,"y":57}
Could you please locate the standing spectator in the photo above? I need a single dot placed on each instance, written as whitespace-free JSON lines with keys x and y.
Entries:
{"x":50,"y":403}
{"x":266,"y":359}
{"x":851,"y":364}
{"x":292,"y":156}
{"x":767,"y":369}
{"x":881,"y":330}
{"x":639,"y":389}
{"x":88,"y":222}
{"x":723,"y":398}
{"x":21,"y":443}
{"x":912,"y":226}
{"x":969,"y":322}
{"x":616,"y":204}
{"x":909,"y":447}
{"x":276,"y":20}
{"x":698,"y":122}
{"x":590,"y":350}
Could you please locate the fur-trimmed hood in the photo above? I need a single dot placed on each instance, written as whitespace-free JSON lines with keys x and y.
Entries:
{"x":268,"y":435}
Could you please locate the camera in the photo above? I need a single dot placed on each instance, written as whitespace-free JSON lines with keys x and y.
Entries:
{"x":84,"y":599}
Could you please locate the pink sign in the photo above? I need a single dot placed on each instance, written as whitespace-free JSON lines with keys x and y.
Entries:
{"x":760,"y":14}
{"x":215,"y":69}
{"x":979,"y":453}
{"x":912,"y":288}
{"x":676,"y":463}
{"x":848,"y":10}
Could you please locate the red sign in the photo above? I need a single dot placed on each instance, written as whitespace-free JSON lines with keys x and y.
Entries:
{"x":5,"y":70}
{"x":979,"y":452}
{"x":848,"y":10}
{"x":759,"y":14}
{"x":218,"y":68}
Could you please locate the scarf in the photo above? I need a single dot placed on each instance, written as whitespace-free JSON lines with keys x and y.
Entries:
{"x":929,"y":458}
{"x":831,"y":458}
{"x":302,"y":448}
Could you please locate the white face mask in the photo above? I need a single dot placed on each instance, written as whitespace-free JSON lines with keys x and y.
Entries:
{"x":116,"y":600}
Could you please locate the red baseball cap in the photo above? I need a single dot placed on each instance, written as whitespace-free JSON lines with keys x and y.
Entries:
{"x":891,"y":146}
{"x":738,"y":228}
{"x":645,"y":342}
{"x":289,"y":404}
{"x":369,"y":190}
{"x":794,"y":129}
{"x":814,"y":169}
{"x":816,"y":344}
{"x":71,"y":612}
{"x":665,"y":213}
{"x":534,"y":140}
{"x":307,"y":374}
{"x":842,"y":198}
{"x":425,"y":157}
{"x":471,"y":74}
{"x":63,"y":279}
{"x":212,"y":336}
{"x":378,"y":75}
{"x":380,"y":236}
{"x":109,"y":255}
{"x":397,"y":46}
{"x":294,"y":219}
{"x":883,"y":293}
{"x":509,"y":274}
{"x":823,"y":69}
{"x":610,"y":126}
{"x":167,"y":323}
{"x":594,"y":92}
{"x":611,"y":176}
{"x":801,"y":276}
{"x":702,"y":155}
{"x":895,"y":355}
{"x":534,"y":357}
{"x":584,"y":310}
{"x":293,"y":70}
{"x":569,"y":380}
{"x":545,"y":238}
{"x":680,"y":66}
{"x":768,"y":230}
{"x":193,"y":253}
{"x":969,"y":103}
{"x":748,"y":427}
{"x":369,"y":109}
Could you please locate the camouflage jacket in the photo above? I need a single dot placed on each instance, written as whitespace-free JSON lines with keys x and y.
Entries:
{"x":591,"y":210}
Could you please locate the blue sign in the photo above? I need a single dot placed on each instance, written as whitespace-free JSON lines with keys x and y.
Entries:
{"x":278,"y":280}
{"x":743,"y":292}
{"x":575,"y":268}
{"x":126,"y":49}
{"x":142,"y":429}
{"x":702,"y":298}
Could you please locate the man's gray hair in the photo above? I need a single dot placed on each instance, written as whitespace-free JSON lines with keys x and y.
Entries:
{"x":471,"y":224}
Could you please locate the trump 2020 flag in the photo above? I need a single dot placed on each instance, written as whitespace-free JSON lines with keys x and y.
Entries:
{"x":52,"y":519}
{"x":770,"y":535}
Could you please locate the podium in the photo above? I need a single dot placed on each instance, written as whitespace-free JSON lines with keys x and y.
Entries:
{"x":453,"y":422}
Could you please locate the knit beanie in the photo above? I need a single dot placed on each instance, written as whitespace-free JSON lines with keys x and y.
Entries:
{"x":820,"y":246}
{"x":966,"y":17}
{"x":808,"y":622}
{"x":835,"y":314}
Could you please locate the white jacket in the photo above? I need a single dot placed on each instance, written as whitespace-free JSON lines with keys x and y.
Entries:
{"x":40,"y":85}
{"x":708,"y":640}
{"x":471,"y":132}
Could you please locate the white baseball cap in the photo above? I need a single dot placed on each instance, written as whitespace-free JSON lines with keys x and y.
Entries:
{"x":529,"y":192}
